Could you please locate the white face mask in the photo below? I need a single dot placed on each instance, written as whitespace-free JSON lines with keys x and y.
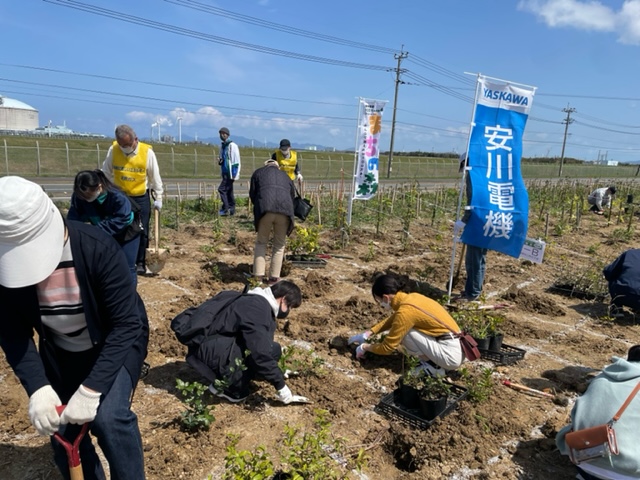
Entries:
{"x":285,"y":152}
{"x":127,"y":150}
{"x":93,"y":197}
{"x":385,"y":305}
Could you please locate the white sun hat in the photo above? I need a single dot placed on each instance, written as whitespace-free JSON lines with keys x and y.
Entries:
{"x":31,"y":233}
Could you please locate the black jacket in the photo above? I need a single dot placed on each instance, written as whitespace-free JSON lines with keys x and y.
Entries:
{"x":623,"y":274}
{"x":271,"y":190}
{"x":116,"y":317}
{"x":234,"y":326}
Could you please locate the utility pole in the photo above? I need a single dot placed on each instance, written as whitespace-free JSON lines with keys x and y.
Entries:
{"x":566,"y":122}
{"x":398,"y":57}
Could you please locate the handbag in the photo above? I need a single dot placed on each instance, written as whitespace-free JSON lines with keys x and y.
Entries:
{"x":467,"y":342}
{"x":596,"y":442}
{"x":301,"y":206}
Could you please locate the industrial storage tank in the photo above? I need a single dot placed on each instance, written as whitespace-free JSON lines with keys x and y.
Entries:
{"x":17,"y":116}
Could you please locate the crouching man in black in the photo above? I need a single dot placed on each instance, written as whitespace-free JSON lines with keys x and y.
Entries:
{"x":230,"y":339}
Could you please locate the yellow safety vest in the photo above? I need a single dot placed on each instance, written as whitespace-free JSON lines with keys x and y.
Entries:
{"x":130,"y":173}
{"x":287,"y":165}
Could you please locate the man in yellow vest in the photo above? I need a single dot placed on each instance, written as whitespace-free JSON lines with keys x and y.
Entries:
{"x":132,"y":166}
{"x":288,"y":160}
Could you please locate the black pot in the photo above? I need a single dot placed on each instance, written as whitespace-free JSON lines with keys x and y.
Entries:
{"x":408,"y":396}
{"x":495,"y":342}
{"x":432,"y":408}
{"x":483,"y":343}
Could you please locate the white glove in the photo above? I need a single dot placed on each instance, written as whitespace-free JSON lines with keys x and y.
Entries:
{"x":360,"y":338}
{"x":290,"y":373}
{"x":300,"y":178}
{"x":360,"y":352}
{"x":458,"y":227}
{"x":157,"y":204}
{"x":82,"y":407}
{"x":285,"y":396}
{"x":42,"y":410}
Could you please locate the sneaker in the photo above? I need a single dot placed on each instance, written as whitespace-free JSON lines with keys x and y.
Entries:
{"x":429,"y":368}
{"x":227,"y":395}
{"x":271,"y":280}
{"x":141,"y":269}
{"x":222,"y":212}
{"x":615,"y":311}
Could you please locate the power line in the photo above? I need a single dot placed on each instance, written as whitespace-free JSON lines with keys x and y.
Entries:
{"x":171,"y":85}
{"x":207,"y":37}
{"x":289,"y":29}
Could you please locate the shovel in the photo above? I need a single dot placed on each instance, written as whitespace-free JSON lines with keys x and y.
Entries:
{"x":72,"y":449}
{"x":156,"y":257}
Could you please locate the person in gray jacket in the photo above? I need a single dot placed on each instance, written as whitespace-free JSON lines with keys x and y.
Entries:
{"x":604,"y":397}
{"x":272,"y":193}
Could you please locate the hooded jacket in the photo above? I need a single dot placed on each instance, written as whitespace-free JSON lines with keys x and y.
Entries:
{"x":604,"y":397}
{"x":235,"y":327}
{"x":623,"y":275}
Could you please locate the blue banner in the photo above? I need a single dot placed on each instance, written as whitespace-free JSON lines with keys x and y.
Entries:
{"x":498,"y":210}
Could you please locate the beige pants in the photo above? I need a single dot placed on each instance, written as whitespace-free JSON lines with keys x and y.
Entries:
{"x":279,"y":224}
{"x":447,"y":354}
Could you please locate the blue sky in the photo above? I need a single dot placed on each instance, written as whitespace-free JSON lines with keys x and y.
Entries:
{"x":577,"y":53}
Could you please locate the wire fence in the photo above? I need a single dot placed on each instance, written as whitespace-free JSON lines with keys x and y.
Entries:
{"x":201,"y":161}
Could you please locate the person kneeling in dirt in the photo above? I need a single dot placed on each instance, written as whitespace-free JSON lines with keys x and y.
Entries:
{"x":604,"y":397}
{"x":230,"y":339}
{"x":71,"y":284}
{"x":421,"y":325}
{"x":600,"y":199}
{"x":623,"y":275}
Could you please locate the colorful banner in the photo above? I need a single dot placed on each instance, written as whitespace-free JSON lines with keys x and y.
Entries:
{"x":368,"y":148}
{"x":498,"y":210}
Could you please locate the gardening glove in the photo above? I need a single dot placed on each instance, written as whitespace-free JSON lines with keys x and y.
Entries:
{"x":285,"y":396}
{"x":300,"y":178}
{"x":157,"y":204}
{"x":290,"y":373}
{"x":82,"y":407}
{"x":42,"y":410}
{"x":360,"y":338}
{"x":360,"y":352}
{"x":458,"y":227}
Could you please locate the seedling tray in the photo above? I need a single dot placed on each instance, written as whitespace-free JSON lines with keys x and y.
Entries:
{"x":306,"y":261}
{"x":506,"y":356}
{"x":390,"y":407}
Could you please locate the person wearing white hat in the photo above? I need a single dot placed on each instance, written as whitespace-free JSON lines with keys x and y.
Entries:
{"x":71,"y":284}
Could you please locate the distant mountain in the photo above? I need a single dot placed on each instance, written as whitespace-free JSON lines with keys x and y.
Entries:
{"x":250,"y":142}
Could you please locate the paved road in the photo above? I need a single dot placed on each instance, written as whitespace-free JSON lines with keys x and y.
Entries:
{"x":60,"y":188}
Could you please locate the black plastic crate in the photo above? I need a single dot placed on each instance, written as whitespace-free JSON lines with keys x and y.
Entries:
{"x":506,"y":356}
{"x":390,"y":407}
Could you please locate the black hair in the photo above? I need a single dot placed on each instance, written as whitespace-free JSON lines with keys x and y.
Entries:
{"x":386,"y":285}
{"x":634,"y":354}
{"x":88,"y":180}
{"x":290,"y":291}
{"x":612,"y":189}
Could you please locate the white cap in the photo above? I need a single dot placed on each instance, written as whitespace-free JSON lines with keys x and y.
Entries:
{"x":31,"y":233}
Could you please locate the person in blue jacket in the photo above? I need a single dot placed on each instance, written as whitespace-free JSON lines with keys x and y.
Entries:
{"x":623,"y":275}
{"x":69,"y":283}
{"x":98,"y":201}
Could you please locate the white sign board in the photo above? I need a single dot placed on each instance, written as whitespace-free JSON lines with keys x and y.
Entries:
{"x":533,"y":250}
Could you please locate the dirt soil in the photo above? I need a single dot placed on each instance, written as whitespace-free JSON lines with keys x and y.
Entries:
{"x":510,"y":436}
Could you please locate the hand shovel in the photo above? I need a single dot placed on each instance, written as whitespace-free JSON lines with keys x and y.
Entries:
{"x":156,"y":257}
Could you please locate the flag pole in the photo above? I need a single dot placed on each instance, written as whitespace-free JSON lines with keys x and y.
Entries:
{"x":462,"y":185}
{"x":355,"y":164}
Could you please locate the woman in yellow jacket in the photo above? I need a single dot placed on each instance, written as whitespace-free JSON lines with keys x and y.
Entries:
{"x":421,"y":325}
{"x":288,"y":160}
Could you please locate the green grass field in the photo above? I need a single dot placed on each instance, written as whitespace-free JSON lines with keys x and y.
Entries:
{"x":48,"y":157}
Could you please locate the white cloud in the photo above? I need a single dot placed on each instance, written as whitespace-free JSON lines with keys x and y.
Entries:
{"x":589,"y":16}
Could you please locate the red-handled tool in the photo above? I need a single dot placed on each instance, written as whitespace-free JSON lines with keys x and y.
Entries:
{"x":72,"y":449}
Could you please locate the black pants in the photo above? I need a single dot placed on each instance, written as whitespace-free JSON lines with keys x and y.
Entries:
{"x":145,"y":214}
{"x":241,"y":387}
{"x":226,"y":194}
